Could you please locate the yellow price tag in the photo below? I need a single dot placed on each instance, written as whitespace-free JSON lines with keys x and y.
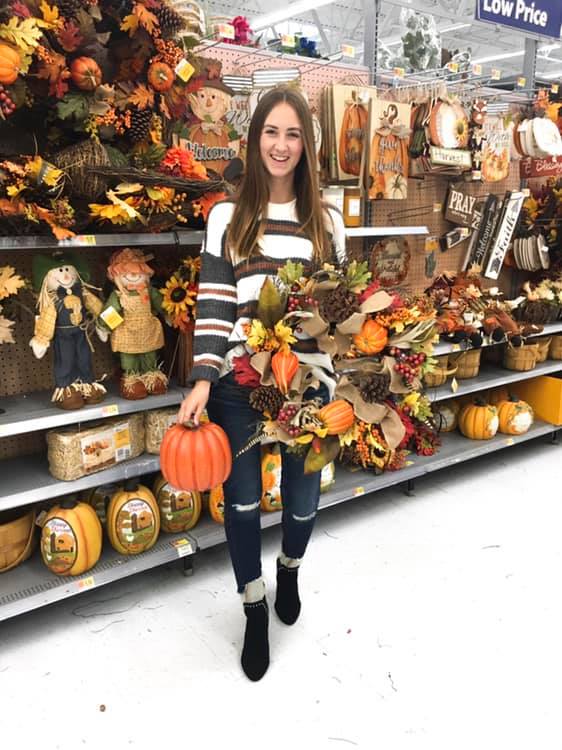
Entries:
{"x":454,"y":385}
{"x":509,"y":441}
{"x":437,"y":207}
{"x":111,"y":317}
{"x":358,"y":491}
{"x":122,"y":438}
{"x":476,"y":174}
{"x":111,"y":410}
{"x":555,"y":88}
{"x":226,"y":30}
{"x":183,"y":547}
{"x":184,"y":70}
{"x":521,"y":81}
{"x":526,"y":192}
{"x":496,"y":74}
{"x":453,"y":67}
{"x":456,"y":347}
{"x":288,"y":40}
{"x":347,"y":50}
{"x":399,"y":72}
{"x":477,"y":69}
{"x":86,"y":583}
{"x":431,"y":244}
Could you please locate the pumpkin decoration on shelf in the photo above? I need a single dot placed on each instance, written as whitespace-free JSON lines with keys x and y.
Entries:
{"x":133,"y":520}
{"x":85,"y":73}
{"x":337,"y":416}
{"x":446,"y":415}
{"x":195,"y":458}
{"x":10,"y":62}
{"x":216,"y":504}
{"x":479,"y":420}
{"x":160,"y":76}
{"x":515,"y":416}
{"x":71,"y":538}
{"x":179,"y":510}
{"x":284,"y":365}
{"x":372,"y":338}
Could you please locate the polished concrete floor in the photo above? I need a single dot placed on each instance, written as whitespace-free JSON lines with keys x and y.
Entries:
{"x":428,"y":622}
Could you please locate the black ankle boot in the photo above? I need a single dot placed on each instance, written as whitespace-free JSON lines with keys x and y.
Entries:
{"x":287,"y":602}
{"x":255,"y":653}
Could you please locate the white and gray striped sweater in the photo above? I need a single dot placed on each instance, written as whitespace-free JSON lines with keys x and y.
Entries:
{"x":229,"y":290}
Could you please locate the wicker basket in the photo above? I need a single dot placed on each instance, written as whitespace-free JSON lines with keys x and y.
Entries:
{"x":76,"y":160}
{"x":543,"y":346}
{"x":555,"y":348}
{"x":522,"y":358}
{"x":16,"y":540}
{"x":439,"y":375}
{"x":467,"y":363}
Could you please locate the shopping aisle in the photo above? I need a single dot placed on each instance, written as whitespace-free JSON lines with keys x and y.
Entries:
{"x":428,"y":622}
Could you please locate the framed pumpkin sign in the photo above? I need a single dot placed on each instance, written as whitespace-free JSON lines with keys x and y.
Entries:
{"x":389,"y":141}
{"x":390,"y":261}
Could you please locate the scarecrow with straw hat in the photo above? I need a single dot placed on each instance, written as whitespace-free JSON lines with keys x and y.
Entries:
{"x":67,"y":309}
{"x":136,"y":331}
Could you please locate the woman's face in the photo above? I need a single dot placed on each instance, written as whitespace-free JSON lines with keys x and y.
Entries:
{"x":281,"y":142}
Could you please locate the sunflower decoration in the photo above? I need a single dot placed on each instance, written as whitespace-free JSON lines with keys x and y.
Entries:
{"x":179,"y":296}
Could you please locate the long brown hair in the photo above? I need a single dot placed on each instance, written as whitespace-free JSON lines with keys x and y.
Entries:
{"x":247,"y":223}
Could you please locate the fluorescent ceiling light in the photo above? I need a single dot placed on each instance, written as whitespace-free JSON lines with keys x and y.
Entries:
{"x":556,"y":74}
{"x":454,"y":27}
{"x":503,"y":56}
{"x":290,"y":11}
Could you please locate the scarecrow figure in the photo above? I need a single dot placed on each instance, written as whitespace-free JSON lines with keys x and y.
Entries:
{"x":64,"y":302}
{"x":136,"y":332}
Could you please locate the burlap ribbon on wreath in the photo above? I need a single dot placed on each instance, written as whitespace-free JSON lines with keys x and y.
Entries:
{"x":389,"y":421}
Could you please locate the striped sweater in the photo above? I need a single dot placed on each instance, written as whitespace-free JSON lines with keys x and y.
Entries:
{"x":229,"y":290}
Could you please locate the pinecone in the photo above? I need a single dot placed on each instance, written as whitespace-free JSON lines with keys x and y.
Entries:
{"x":267,"y":398}
{"x":338,"y":305}
{"x":170,"y":21}
{"x":69,"y":8}
{"x":375,"y":388}
{"x":140,"y":124}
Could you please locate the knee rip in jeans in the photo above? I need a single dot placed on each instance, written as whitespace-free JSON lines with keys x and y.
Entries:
{"x":304,"y":518}
{"x":243,"y":509}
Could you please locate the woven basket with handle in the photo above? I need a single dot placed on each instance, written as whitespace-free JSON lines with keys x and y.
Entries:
{"x":16,"y":540}
{"x":555,"y":349}
{"x":467,"y":363}
{"x":439,"y":375}
{"x":543,"y":346}
{"x":522,"y":358}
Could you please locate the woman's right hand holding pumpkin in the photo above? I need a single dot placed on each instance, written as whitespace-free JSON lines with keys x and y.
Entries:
{"x":194,"y":403}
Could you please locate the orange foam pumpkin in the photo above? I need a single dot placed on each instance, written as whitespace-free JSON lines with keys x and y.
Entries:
{"x":479,"y":421}
{"x":372,"y":338}
{"x":284,"y":365}
{"x":10,"y":61}
{"x":515,"y":416}
{"x":337,"y":416}
{"x":85,"y":73}
{"x":160,"y":76}
{"x":195,"y":459}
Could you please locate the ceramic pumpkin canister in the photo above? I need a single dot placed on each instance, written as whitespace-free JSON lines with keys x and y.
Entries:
{"x":71,"y":538}
{"x":479,"y":420}
{"x":133,"y":519}
{"x":179,"y":510}
{"x":515,"y":416}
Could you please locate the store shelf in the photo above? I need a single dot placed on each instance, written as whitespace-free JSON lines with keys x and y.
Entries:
{"x":32,"y":585}
{"x":26,"y":479}
{"x":35,"y":411}
{"x":444,"y":347}
{"x":455,"y":449}
{"x":491,"y":377}
{"x":384,"y":231}
{"x":194,"y":237}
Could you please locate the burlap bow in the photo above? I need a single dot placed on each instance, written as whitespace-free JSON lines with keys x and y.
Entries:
{"x":211,"y":127}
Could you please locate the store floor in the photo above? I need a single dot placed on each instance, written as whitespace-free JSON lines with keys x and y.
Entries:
{"x":428,"y":622}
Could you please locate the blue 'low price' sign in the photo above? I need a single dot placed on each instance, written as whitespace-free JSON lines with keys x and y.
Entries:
{"x":537,"y":16}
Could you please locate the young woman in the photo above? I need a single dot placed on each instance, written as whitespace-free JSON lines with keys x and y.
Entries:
{"x":277,"y":215}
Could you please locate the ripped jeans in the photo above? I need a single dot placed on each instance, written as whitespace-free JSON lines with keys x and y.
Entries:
{"x":229,"y":407}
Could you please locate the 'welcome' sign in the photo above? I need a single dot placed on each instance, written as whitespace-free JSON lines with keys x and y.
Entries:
{"x":537,"y":16}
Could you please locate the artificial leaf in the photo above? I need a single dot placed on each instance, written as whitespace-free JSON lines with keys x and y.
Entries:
{"x":6,"y":333}
{"x":130,"y":69}
{"x":291,"y":272}
{"x":52,"y":70}
{"x":271,"y":303}
{"x":126,"y":204}
{"x":20,"y":9}
{"x":316,"y":459}
{"x":24,"y":34}
{"x":116,"y":157}
{"x":60,"y":87}
{"x":51,"y":19}
{"x":142,"y":97}
{"x":95,"y":11}
{"x":130,"y":23}
{"x":123,"y":91}
{"x":146,"y":19}
{"x":11,"y":208}
{"x":124,"y":188}
{"x":42,"y":172}
{"x":73,"y":107}
{"x":164,"y":108}
{"x":25,"y":61}
{"x":104,"y":96}
{"x":86,"y":25}
{"x":15,"y":189}
{"x":357,"y":276}
{"x":10,"y":282}
{"x":70,"y":37}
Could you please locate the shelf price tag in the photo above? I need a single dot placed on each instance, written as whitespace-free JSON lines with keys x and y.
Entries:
{"x":357,"y":491}
{"x":454,"y":385}
{"x":437,"y":207}
{"x":347,"y":50}
{"x":521,"y":81}
{"x":226,"y":30}
{"x":86,"y":583}
{"x":509,"y":441}
{"x":111,"y":317}
{"x":477,"y":69}
{"x":183,"y":547}
{"x":453,"y":67}
{"x":288,"y":40}
{"x":78,"y":240}
{"x":496,"y":74}
{"x":111,"y":410}
{"x":555,"y":88}
{"x":399,"y":72}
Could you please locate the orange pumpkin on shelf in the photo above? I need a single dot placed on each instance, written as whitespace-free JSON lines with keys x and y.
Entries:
{"x":284,"y":365}
{"x":160,"y":76}
{"x":71,"y":538}
{"x":515,"y":416}
{"x":479,"y":420}
{"x":195,"y":458}
{"x":10,"y":61}
{"x":337,"y":416}
{"x":372,"y":338}
{"x":85,"y":73}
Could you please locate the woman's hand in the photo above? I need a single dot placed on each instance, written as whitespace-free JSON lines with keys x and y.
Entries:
{"x":193,"y":404}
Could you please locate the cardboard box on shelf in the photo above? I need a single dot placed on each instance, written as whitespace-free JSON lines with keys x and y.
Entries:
{"x":544,"y":394}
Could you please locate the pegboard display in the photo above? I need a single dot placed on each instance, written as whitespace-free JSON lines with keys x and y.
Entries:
{"x":314,"y":74}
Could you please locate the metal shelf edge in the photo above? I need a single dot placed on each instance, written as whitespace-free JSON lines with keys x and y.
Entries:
{"x":443,"y":347}
{"x":384,"y":231}
{"x":39,"y":242}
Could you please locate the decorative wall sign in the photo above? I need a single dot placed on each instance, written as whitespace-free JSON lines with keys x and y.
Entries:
{"x":459,"y":205}
{"x":540,"y":167}
{"x":390,"y":135}
{"x":496,"y":150}
{"x":350,"y":115}
{"x":450,"y":157}
{"x":506,"y":226}
{"x":485,"y":230}
{"x":390,"y":261}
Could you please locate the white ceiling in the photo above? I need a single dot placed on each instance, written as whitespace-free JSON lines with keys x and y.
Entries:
{"x":342,"y":22}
